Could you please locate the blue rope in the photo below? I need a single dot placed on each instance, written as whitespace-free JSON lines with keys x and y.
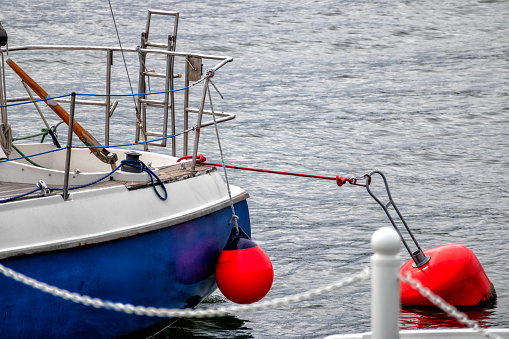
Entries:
{"x":133,"y":94}
{"x":129,"y":163}
{"x":19,"y":196}
{"x":33,"y":155}
{"x":133,"y":144}
{"x":91,"y":147}
{"x":98,"y":95}
{"x":132,"y":163}
{"x":92,"y":183}
{"x":139,"y":164}
{"x":39,"y":100}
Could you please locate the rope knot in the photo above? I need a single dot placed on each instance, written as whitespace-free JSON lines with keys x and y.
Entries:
{"x":140,"y":52}
{"x":201,"y":158}
{"x":341,"y":181}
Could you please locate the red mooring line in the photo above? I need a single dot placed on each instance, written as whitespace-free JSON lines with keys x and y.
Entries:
{"x":200,"y":159}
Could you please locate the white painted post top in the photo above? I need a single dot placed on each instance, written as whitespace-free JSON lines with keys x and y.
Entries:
{"x":385,"y":241}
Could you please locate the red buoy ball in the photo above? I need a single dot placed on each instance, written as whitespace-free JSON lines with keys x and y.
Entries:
{"x":454,"y":273}
{"x":244,"y":272}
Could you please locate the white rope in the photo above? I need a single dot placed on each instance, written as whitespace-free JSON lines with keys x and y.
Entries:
{"x":222,"y":311}
{"x":181,"y":313}
{"x":446,"y":307}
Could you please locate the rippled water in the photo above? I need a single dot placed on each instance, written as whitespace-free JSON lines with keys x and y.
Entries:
{"x":415,"y":89}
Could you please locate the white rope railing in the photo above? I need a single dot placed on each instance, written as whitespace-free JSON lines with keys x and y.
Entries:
{"x":181,"y":313}
{"x":222,"y":311}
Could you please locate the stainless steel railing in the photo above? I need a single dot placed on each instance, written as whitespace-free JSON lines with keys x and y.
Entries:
{"x":108,"y":100}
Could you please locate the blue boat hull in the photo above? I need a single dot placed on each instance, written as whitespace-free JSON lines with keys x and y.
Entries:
{"x":173,"y":267}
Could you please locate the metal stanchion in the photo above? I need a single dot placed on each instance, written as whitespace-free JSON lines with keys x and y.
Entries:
{"x":69,"y":146}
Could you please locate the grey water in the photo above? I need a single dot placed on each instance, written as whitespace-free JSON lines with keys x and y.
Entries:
{"x":418,"y":90}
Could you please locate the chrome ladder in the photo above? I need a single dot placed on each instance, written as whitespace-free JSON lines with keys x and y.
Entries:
{"x":168,"y":103}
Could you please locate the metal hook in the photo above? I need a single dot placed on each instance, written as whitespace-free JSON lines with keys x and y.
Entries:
{"x":418,"y":256}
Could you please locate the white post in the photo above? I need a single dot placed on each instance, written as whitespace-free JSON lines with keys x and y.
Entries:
{"x":385,"y":304}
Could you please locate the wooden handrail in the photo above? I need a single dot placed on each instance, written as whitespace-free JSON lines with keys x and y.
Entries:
{"x":102,"y":153}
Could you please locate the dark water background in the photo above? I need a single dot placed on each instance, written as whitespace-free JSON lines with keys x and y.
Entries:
{"x":416,"y":89}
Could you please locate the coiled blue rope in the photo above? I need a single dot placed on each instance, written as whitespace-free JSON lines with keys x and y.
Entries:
{"x":135,"y":164}
{"x":139,"y":164}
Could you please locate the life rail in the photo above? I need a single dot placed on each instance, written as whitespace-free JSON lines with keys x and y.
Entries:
{"x":111,"y":104}
{"x":224,"y":59}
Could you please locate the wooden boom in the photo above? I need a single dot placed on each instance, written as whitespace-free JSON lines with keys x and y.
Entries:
{"x":102,"y":153}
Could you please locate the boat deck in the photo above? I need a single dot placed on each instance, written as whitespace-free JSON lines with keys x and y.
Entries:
{"x":166,"y":174}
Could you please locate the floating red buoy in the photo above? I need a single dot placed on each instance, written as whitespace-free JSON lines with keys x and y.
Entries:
{"x":244,"y":272}
{"x":454,"y":273}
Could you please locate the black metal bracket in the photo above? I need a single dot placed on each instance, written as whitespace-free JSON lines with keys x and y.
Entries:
{"x":418,"y":256}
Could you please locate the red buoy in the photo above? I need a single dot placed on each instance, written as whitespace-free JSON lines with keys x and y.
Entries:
{"x":454,"y":273}
{"x":244,"y":271}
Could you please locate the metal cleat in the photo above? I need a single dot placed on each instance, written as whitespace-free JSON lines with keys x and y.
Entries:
{"x":44,"y":188}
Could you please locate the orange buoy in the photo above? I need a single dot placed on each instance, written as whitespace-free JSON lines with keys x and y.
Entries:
{"x":454,"y":273}
{"x":244,"y":272}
